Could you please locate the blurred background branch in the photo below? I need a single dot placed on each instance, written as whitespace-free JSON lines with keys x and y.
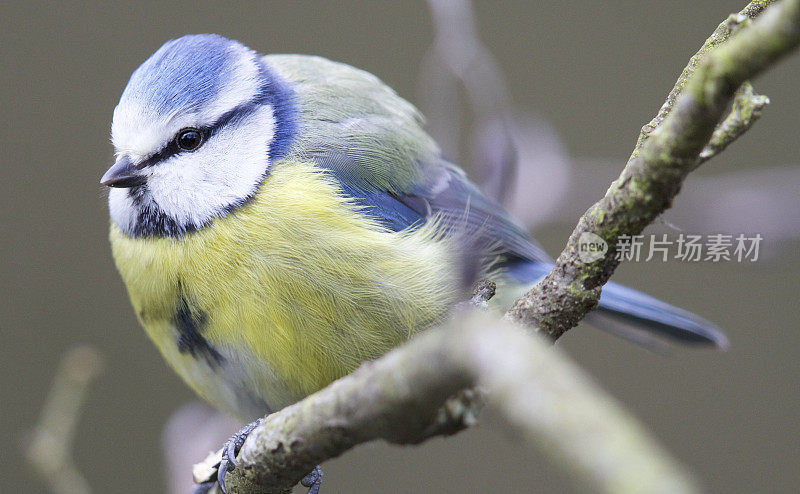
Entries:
{"x":49,"y":447}
{"x":459,"y":55}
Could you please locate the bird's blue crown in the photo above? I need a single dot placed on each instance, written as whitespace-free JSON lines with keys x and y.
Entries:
{"x":185,"y":74}
{"x":210,"y":75}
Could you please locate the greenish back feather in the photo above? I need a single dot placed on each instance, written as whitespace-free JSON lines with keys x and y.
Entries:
{"x":374,"y":143}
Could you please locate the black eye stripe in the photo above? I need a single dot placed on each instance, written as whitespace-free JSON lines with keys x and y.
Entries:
{"x":171,"y":148}
{"x":168,"y":151}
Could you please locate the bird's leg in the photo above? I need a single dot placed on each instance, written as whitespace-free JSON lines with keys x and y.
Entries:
{"x":313,"y":480}
{"x":230,"y":449}
{"x":228,"y":463}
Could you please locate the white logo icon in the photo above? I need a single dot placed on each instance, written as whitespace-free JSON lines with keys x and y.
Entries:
{"x":591,"y":247}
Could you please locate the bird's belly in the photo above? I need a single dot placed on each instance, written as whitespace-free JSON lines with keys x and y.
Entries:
{"x":249,"y":352}
{"x":292,"y":291}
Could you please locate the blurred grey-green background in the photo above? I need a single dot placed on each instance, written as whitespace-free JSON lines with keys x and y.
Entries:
{"x":594,"y":70}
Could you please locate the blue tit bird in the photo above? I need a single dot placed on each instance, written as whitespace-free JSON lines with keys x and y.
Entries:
{"x":279,"y":219}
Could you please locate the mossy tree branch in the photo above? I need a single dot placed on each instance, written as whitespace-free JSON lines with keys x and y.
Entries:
{"x":398,"y":397}
{"x":724,"y":31}
{"x":669,"y":148}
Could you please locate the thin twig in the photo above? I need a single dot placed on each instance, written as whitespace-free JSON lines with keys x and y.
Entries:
{"x":746,"y":109}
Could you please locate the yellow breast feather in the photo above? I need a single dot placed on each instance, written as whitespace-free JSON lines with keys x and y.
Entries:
{"x":288,"y":292}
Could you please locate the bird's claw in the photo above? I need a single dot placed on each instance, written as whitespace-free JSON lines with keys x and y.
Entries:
{"x":228,"y":463}
{"x":313,"y":480}
{"x":229,"y":451}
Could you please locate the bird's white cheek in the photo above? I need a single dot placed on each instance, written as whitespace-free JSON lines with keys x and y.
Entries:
{"x":193,"y":188}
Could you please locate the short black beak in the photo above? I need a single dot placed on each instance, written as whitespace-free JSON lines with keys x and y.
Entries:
{"x":123,"y":174}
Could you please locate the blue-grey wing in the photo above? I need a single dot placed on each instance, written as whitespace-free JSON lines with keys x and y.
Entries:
{"x":441,"y":191}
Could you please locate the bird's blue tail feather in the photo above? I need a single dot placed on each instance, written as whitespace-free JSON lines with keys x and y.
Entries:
{"x":636,"y":309}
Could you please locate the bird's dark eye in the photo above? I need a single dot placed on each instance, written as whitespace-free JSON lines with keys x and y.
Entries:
{"x":189,"y":139}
